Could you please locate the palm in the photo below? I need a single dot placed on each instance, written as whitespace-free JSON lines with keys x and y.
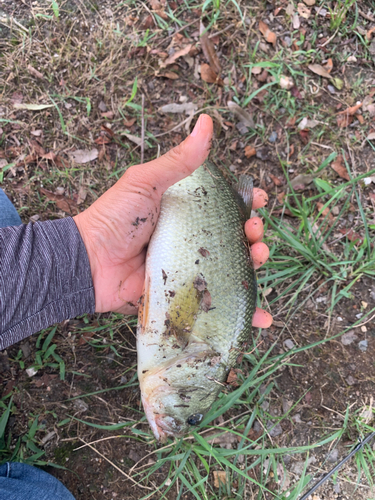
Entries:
{"x":116,"y":229}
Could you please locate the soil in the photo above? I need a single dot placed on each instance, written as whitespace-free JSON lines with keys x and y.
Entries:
{"x":321,"y":382}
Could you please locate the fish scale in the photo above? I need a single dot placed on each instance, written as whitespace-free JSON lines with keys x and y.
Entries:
{"x":198,"y":302}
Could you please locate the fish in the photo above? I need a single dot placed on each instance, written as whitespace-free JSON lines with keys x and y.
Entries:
{"x":200,"y":292}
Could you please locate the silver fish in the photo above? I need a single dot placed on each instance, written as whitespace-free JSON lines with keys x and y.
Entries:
{"x":198,"y":302}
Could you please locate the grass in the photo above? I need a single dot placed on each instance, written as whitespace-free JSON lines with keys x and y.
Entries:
{"x":307,"y":257}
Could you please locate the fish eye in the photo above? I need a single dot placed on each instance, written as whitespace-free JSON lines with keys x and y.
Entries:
{"x":195,"y":419}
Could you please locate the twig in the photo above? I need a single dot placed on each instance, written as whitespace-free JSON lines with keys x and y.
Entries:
{"x":217,"y":33}
{"x":178,"y":31}
{"x":9,"y":21}
{"x":115,"y":466}
{"x":185,"y":121}
{"x":329,"y":39}
{"x":143,"y":130}
{"x":369,"y":18}
{"x":98,"y":441}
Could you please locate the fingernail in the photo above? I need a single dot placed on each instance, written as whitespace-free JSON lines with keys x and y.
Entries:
{"x":197,"y":127}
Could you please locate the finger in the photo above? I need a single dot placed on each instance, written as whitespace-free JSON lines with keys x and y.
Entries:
{"x":260,"y":198}
{"x":259,"y":254}
{"x":262,"y":319}
{"x":177,"y":163}
{"x":254,"y":230}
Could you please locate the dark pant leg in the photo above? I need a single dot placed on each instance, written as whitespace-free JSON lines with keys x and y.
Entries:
{"x":24,"y":482}
{"x":8,"y":213}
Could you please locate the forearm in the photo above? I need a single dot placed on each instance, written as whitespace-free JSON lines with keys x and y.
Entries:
{"x":45,"y":277}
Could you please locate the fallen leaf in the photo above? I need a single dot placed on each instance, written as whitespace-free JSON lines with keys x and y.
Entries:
{"x":256,"y":70}
{"x":243,"y":115}
{"x":82,"y":194}
{"x":16,"y":98}
{"x":344,"y":120}
{"x":304,"y":135}
{"x":339,"y":167}
{"x":208,"y":75}
{"x":303,"y":11}
{"x":186,"y":107}
{"x":232,"y":378}
{"x":280,"y":197}
{"x":32,"y":107}
{"x":233,"y":146}
{"x":168,"y":74}
{"x":83,"y":155}
{"x":209,"y":51}
{"x":325,"y":212}
{"x":319,"y":70}
{"x":371,"y":136}
{"x":179,"y":53}
{"x":296,"y":93}
{"x":370,"y":32}
{"x":302,"y":180}
{"x":249,"y":151}
{"x":329,"y":65}
{"x":135,"y":139}
{"x":296,"y":21}
{"x":310,"y":3}
{"x":352,"y":236}
{"x":263,"y":76}
{"x":36,"y":133}
{"x":108,"y":114}
{"x":267,"y":33}
{"x":35,"y":72}
{"x":219,"y":478}
{"x":129,"y":123}
{"x":62,"y":202}
{"x":352,"y":110}
{"x":286,"y":82}
{"x":275,"y":180}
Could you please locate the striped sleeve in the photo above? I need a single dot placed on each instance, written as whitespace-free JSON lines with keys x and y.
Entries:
{"x":45,"y":278}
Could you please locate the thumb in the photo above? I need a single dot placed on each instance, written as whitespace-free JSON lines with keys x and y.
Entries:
{"x":177,"y":163}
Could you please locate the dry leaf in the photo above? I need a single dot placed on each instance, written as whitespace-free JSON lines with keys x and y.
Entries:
{"x":371,"y":136}
{"x":352,"y":110}
{"x":208,"y":75}
{"x":232,"y":147}
{"x":186,"y":107}
{"x":232,"y":378}
{"x":319,"y":70}
{"x":82,"y":193}
{"x":249,"y":151}
{"x":344,"y":120}
{"x":296,"y":21}
{"x":219,"y":478}
{"x":301,"y":181}
{"x":370,"y":32}
{"x":303,"y":11}
{"x":171,"y":59}
{"x":36,"y":133}
{"x":352,"y":236}
{"x":135,"y":139}
{"x":32,"y":107}
{"x":84,"y":155}
{"x":35,"y":72}
{"x":329,"y":65}
{"x":325,"y":212}
{"x":129,"y":123}
{"x":310,"y":3}
{"x":62,"y":202}
{"x":243,"y":115}
{"x":276,"y":180}
{"x":286,"y":82}
{"x":209,"y":51}
{"x":340,"y":168}
{"x":267,"y":33}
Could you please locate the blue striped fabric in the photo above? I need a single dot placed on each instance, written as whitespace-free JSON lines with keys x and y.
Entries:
{"x":45,"y":278}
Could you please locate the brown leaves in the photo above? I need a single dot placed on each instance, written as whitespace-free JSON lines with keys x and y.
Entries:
{"x":63,"y":203}
{"x":267,"y":33}
{"x":179,"y":53}
{"x":319,"y":70}
{"x":210,"y":72}
{"x":84,"y":155}
{"x":249,"y":151}
{"x":339,"y":167}
{"x":209,"y":51}
{"x":345,"y":118}
{"x":303,"y":11}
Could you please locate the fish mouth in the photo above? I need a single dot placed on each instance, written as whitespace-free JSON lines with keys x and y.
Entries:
{"x":162,"y":425}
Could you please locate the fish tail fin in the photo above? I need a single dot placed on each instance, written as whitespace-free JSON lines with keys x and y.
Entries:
{"x":244,"y":189}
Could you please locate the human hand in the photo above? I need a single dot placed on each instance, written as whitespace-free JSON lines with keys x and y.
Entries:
{"x":117,"y":228}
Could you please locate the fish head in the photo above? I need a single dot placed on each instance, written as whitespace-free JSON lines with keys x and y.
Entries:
{"x":177,"y":396}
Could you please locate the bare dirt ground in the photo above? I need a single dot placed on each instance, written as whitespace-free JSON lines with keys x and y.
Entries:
{"x":83,"y":64}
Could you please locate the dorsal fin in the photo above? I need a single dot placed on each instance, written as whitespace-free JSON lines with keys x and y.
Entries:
{"x":244,"y":189}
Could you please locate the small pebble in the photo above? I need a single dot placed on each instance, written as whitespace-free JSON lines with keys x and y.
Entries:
{"x":273,"y":137}
{"x":363,"y":345}
{"x":331,"y":89}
